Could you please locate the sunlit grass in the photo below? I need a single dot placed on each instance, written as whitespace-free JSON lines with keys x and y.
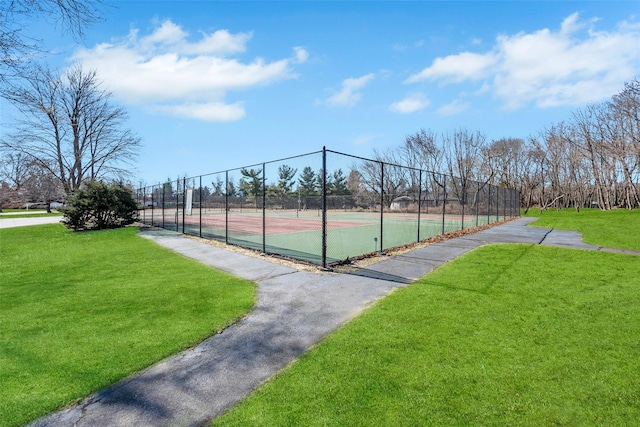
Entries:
{"x":79,"y":311}
{"x":618,"y":228}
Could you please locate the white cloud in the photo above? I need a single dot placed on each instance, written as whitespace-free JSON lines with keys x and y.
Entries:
{"x":210,"y":111}
{"x":571,"y":66}
{"x":453,"y":108}
{"x":456,"y":68}
{"x":349,"y":95}
{"x":300,"y":55}
{"x":180,"y":77}
{"x":410,"y":104}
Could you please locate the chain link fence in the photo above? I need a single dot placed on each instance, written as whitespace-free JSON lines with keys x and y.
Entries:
{"x":323,"y":207}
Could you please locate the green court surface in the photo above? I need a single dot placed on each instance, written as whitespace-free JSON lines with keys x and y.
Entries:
{"x":299,"y":234}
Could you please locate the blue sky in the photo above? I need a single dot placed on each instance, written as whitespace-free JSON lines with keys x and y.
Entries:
{"x":214,"y":85}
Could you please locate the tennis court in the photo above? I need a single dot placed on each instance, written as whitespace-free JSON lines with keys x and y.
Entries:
{"x":323,"y":207}
{"x":298,"y":234}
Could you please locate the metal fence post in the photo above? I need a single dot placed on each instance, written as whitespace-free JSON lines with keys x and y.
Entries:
{"x":226,"y":207}
{"x":489,"y":206}
{"x":264,"y":209}
{"x":163,"y":205}
{"x":419,"y":201}
{"x":444,"y":199}
{"x":464,"y":199}
{"x":497,"y":204}
{"x":200,"y":204}
{"x":504,"y":206}
{"x":184,"y":200}
{"x":381,"y":206}
{"x":477,"y":201}
{"x":324,"y":207}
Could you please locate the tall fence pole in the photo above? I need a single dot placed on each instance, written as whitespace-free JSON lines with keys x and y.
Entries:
{"x":264,"y":209}
{"x":444,"y":199}
{"x":200,"y":204}
{"x":419,"y":201}
{"x":324,"y":207}
{"x":489,"y":206}
{"x":226,"y":207}
{"x":498,"y":203}
{"x":164,"y":202}
{"x":381,"y":206}
{"x":184,"y":201}
{"x":477,"y":202}
{"x":464,"y":200}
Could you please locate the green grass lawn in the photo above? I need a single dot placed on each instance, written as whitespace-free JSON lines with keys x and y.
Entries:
{"x":505,"y":335}
{"x":79,"y":311}
{"x":618,"y":228}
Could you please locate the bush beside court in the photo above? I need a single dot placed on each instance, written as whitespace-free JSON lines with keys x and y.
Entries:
{"x":506,"y":335}
{"x":99,"y":206}
{"x":79,"y":311}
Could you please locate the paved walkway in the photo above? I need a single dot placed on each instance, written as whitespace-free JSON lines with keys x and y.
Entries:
{"x":294,"y":310}
{"x":6,"y":221}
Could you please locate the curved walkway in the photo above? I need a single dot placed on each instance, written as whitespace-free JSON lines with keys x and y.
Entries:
{"x":294,"y":310}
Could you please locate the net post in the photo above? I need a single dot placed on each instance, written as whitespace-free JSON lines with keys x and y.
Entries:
{"x":200,"y":204}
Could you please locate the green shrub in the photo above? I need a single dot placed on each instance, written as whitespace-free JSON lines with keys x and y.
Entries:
{"x":99,"y":206}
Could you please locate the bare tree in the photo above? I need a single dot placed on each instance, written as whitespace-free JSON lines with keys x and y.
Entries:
{"x":17,"y":47}
{"x":624,"y":140}
{"x":43,"y":187}
{"x":14,"y":169}
{"x":71,"y":128}
{"x":384,"y":176}
{"x":464,"y":154}
{"x":14,"y":174}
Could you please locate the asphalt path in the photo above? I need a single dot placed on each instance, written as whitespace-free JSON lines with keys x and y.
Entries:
{"x":7,"y":221}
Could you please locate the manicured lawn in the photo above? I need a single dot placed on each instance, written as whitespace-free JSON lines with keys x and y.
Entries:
{"x":506,"y":335}
{"x":618,"y":228}
{"x":79,"y":311}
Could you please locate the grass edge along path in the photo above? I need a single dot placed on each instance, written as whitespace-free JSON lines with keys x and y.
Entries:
{"x":80,"y":311}
{"x":505,"y":335}
{"x":617,"y":228}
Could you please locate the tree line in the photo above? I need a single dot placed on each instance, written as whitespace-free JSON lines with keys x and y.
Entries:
{"x":251,"y":184}
{"x":590,"y":160}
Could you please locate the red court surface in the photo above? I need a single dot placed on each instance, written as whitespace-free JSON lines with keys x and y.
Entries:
{"x":273,"y":225}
